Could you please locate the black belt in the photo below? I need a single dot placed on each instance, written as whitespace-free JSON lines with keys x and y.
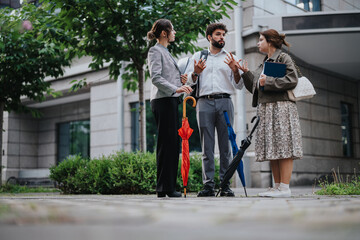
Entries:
{"x":216,"y":96}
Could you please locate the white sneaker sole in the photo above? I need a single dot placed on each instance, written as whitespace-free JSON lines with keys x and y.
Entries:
{"x":280,"y":194}
{"x":267,"y":193}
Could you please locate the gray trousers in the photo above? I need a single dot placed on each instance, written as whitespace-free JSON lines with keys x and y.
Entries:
{"x":210,"y":116}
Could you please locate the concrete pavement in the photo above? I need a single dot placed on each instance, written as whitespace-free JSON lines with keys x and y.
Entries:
{"x":105,"y":217}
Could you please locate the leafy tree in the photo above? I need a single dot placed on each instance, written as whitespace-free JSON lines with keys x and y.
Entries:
{"x":30,"y":49}
{"x":115,"y":31}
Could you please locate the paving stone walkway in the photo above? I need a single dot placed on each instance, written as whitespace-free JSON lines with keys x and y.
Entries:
{"x":106,"y":217}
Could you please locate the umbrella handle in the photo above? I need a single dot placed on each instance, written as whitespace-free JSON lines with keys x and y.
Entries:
{"x":184,"y":104}
{"x":257,"y":122}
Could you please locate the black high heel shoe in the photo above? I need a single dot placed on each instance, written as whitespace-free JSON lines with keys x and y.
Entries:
{"x":169,"y":194}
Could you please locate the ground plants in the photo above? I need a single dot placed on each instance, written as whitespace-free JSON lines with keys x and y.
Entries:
{"x":15,"y":188}
{"x":119,"y":173}
{"x":339,"y":186}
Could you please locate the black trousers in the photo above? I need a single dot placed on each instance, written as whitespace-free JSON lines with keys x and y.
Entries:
{"x":167,"y":150}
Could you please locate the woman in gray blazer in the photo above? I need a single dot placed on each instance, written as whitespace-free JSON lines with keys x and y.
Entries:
{"x":165,"y":91}
{"x":278,"y":137}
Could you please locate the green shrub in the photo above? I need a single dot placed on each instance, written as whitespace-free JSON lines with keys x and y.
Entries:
{"x":120,"y":173}
{"x":65,"y":174}
{"x":133,"y":172}
{"x":94,"y":177}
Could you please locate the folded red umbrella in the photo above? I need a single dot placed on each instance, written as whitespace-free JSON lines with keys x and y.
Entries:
{"x":185,"y":132}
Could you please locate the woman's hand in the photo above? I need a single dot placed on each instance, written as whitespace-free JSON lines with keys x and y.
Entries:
{"x":184,"y":88}
{"x":262,"y":80}
{"x":244,"y":66}
{"x":231,"y":62}
{"x":183,"y":78}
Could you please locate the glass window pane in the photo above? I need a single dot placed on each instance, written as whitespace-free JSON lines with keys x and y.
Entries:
{"x":346,"y":129}
{"x":73,"y":139}
{"x":309,"y":5}
{"x":63,"y":141}
{"x":134,"y":108}
{"x":151,"y":129}
{"x":80,"y":138}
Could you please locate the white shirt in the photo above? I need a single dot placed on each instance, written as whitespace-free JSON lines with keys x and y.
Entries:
{"x":217,"y":77}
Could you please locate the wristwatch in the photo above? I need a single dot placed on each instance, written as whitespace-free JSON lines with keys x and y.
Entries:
{"x":195,"y":74}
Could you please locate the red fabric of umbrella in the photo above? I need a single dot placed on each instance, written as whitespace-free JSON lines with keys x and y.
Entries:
{"x":185,"y":132}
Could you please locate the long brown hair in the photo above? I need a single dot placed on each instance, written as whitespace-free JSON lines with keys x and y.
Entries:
{"x":157,"y":28}
{"x":277,"y":40}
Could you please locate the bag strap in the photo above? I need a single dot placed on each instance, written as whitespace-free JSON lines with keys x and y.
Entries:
{"x":187,"y":63}
{"x":204,"y":53}
{"x":280,"y":59}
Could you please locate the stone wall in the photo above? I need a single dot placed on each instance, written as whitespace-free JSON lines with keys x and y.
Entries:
{"x":30,"y":143}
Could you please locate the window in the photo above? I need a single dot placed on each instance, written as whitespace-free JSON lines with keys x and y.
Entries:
{"x":35,"y":2}
{"x":10,"y":3}
{"x":345,"y":20}
{"x":151,"y":129}
{"x":308,"y":5}
{"x":17,"y":3}
{"x":135,"y":128}
{"x":346,"y":129}
{"x":73,"y":138}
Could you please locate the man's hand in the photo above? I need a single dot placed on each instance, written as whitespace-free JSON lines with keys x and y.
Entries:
{"x":183,"y":78}
{"x":199,"y":66}
{"x":231,"y":62}
{"x":234,"y":66}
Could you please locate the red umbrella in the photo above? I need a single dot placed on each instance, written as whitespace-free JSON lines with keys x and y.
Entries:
{"x":185,"y":132}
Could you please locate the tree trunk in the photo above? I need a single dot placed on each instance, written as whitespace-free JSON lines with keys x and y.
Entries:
{"x":1,"y":137}
{"x":142,"y":125}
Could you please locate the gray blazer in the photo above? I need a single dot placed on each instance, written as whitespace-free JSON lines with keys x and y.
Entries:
{"x":164,"y":73}
{"x":275,"y":89}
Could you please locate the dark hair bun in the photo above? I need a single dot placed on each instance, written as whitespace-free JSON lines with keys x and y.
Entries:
{"x":277,"y":40}
{"x":150,"y":35}
{"x":159,"y":26}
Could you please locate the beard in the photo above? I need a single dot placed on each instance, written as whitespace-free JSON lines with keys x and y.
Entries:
{"x":217,"y":44}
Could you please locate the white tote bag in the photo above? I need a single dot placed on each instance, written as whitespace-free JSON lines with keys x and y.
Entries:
{"x":303,"y":90}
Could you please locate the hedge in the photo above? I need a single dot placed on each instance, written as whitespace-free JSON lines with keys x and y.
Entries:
{"x":120,"y":173}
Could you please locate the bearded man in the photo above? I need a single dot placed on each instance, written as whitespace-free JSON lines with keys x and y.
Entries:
{"x":218,"y":78}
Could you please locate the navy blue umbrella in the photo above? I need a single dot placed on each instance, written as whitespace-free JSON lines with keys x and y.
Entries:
{"x":237,"y":163}
{"x":232,"y":138}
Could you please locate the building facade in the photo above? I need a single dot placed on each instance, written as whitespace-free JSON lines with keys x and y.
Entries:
{"x":100,"y":118}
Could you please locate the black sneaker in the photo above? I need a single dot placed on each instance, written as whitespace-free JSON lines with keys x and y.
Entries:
{"x":227,"y":192}
{"x":206,"y":192}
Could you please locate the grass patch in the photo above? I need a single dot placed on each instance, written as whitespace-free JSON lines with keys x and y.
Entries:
{"x":11,"y":188}
{"x":351,"y":186}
